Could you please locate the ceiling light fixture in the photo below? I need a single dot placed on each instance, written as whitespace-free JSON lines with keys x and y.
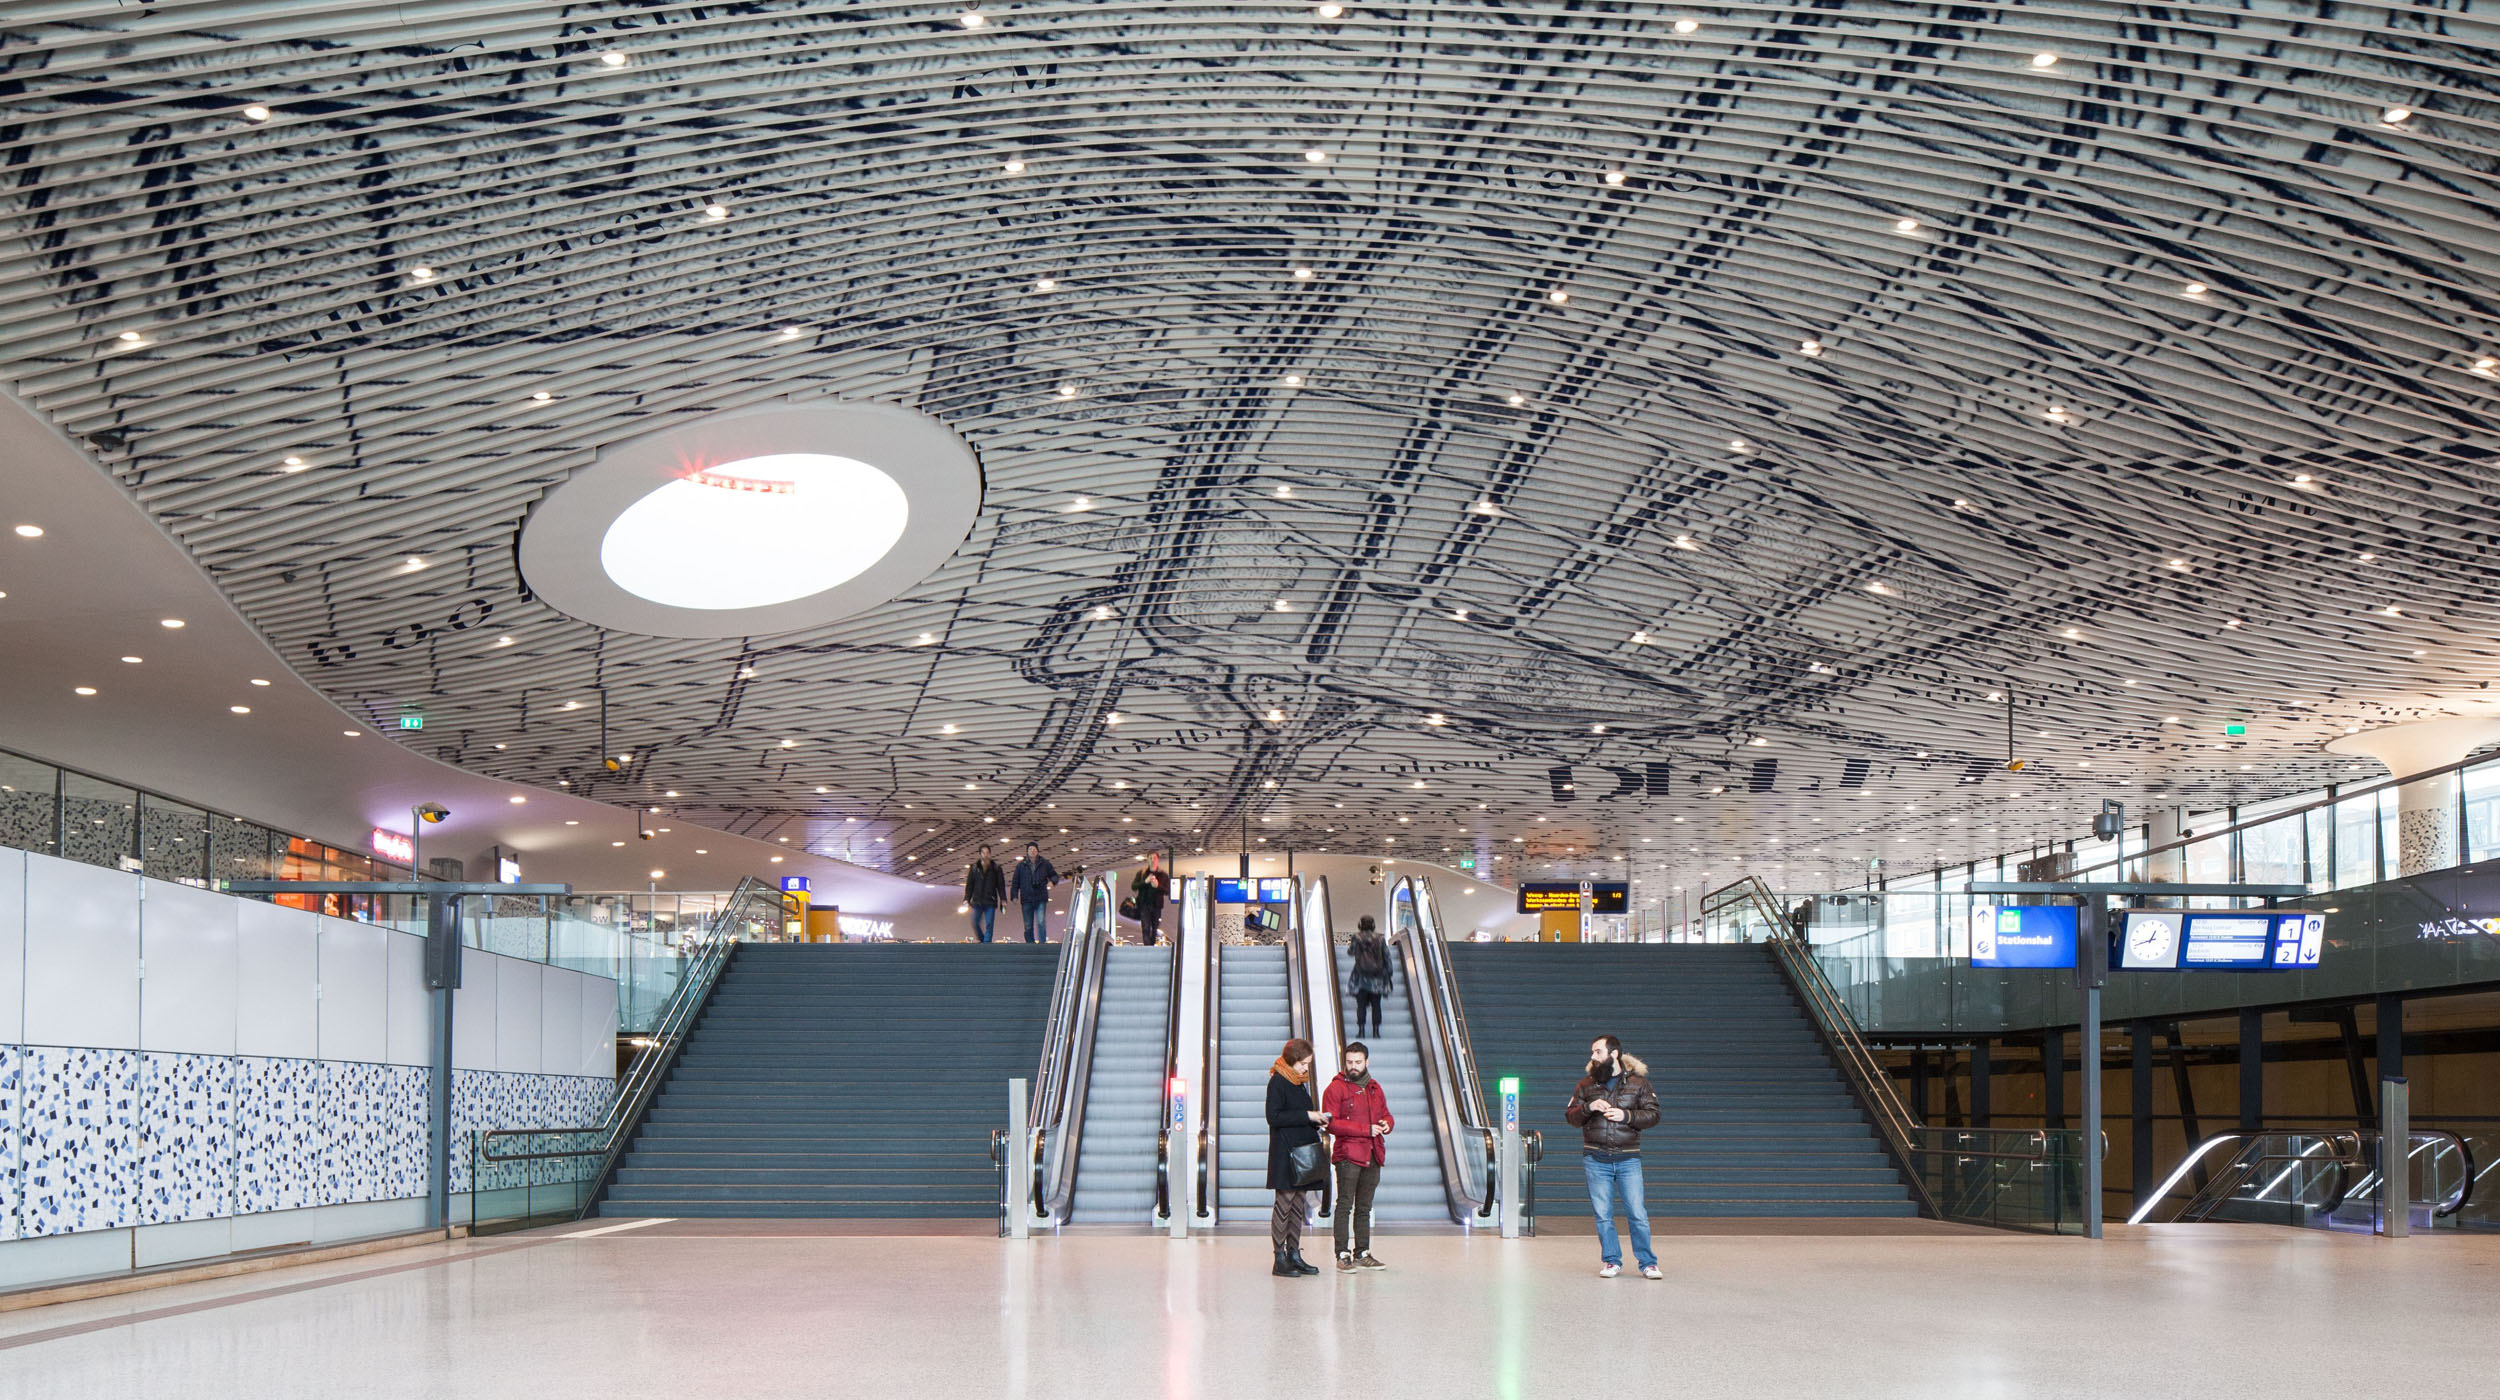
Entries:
{"x":1558,"y":296}
{"x":1811,"y":349}
{"x":1905,"y":226}
{"x":613,"y":58}
{"x":2393,"y":115}
{"x":2044,"y":60}
{"x":1687,"y":26}
{"x":1013,"y":167}
{"x":1315,"y":156}
{"x":2193,"y":289}
{"x":972,"y":19}
{"x":1045,"y":284}
{"x":1612,"y":177}
{"x":256,"y":113}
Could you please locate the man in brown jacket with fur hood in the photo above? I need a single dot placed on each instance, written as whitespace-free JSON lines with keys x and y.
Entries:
{"x":1610,"y":1107}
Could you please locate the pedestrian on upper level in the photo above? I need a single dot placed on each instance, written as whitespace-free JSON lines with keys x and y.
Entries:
{"x":1610,"y":1106}
{"x":1031,"y":886}
{"x":985,"y":888}
{"x":1371,"y":979}
{"x":1358,"y":1128}
{"x":1148,"y":893}
{"x":1296,"y":1161}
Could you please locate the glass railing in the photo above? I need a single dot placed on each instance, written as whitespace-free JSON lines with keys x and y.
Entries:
{"x":2008,"y":1178}
{"x":533,"y":1174}
{"x":2326,"y":1179}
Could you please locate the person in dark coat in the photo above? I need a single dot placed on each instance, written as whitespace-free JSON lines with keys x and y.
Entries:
{"x":1147,"y":892}
{"x":1292,"y":1121}
{"x":1030,"y":884}
{"x":1370,"y":979}
{"x":985,"y":888}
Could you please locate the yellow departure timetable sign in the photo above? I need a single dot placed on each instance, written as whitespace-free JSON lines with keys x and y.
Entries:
{"x":1563,"y":896}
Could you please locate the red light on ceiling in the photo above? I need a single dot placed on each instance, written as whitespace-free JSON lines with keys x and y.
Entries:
{"x":755,"y":484}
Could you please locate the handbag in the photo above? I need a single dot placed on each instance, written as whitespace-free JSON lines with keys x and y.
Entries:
{"x":1309,"y":1165}
{"x":1128,"y":910}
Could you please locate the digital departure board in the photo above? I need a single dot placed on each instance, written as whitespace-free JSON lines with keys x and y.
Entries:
{"x":1232,"y":891}
{"x":1563,"y":896}
{"x":2227,"y":942}
{"x":2219,"y":940}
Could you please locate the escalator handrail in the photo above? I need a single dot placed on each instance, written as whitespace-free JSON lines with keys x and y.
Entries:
{"x":1443,"y":1085}
{"x":1210,"y":1031}
{"x":1193,"y":887}
{"x":1325,"y":1033}
{"x":1056,"y":1154}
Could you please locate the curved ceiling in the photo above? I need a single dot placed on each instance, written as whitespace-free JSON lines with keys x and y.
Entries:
{"x":1400,"y":426}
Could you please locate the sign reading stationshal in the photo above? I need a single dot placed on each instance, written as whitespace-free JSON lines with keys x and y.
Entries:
{"x":1563,"y":896}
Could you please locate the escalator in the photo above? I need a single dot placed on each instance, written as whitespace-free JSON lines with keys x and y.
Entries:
{"x":1411,"y":1188}
{"x":1115,"y":1168}
{"x":1256,"y":1005}
{"x":2326,"y":1179}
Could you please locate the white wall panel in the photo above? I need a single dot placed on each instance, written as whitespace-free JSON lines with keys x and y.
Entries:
{"x":355,"y":991}
{"x":278,"y":981}
{"x":12,"y":947}
{"x":187,"y":948}
{"x":82,"y":954}
{"x":560,"y":1021}
{"x":408,"y":1026}
{"x":598,"y":1027}
{"x":473,"y":1013}
{"x":519,"y":1002}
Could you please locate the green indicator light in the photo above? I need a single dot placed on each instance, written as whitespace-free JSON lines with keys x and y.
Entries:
{"x":1510,"y":1087}
{"x":2235,"y":729}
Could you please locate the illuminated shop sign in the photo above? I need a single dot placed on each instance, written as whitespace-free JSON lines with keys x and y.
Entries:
{"x":390,"y":845}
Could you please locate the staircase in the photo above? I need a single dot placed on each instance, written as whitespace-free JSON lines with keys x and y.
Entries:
{"x":1755,"y":1119}
{"x":1255,"y":1021}
{"x":1410,"y":1180}
{"x":1115,"y":1155}
{"x":842,"y":1080}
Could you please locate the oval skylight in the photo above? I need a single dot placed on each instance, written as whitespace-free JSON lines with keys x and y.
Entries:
{"x":755,"y":532}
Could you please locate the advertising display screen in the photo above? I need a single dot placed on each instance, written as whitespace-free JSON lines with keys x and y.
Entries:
{"x":2227,"y":942}
{"x":1232,"y":891}
{"x":2023,"y":935}
{"x":1563,"y":896}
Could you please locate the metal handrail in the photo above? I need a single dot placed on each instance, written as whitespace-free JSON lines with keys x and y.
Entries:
{"x":662,"y":1043}
{"x":1091,"y":931}
{"x":1894,"y":1122}
{"x":1193,"y":887}
{"x":1210,"y":1007}
{"x":1326,"y":1033}
{"x":2350,"y":1157}
{"x":1446,"y":1086}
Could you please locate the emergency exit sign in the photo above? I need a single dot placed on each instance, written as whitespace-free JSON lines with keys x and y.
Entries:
{"x":412,"y":721}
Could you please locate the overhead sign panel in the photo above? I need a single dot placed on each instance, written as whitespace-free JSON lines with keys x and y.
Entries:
{"x":1229,"y":891}
{"x":2245,"y":940}
{"x":1563,"y":896}
{"x":2226,"y":942}
{"x":2023,"y":935}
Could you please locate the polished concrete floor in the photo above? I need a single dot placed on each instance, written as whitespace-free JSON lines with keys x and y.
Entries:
{"x":2211,"y":1312}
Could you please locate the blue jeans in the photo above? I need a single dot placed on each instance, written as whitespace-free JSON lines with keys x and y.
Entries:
{"x":1036,"y":927}
{"x":984,"y":921}
{"x":1609,"y":1182}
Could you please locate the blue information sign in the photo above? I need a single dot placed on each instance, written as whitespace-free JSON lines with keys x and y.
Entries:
{"x":2023,"y":935}
{"x":793,"y":884}
{"x":2248,"y":940}
{"x":1232,"y":891}
{"x":1276,"y":890}
{"x":2227,"y":942}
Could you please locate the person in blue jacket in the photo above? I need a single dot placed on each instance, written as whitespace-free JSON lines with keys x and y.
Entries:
{"x":1031,"y":886}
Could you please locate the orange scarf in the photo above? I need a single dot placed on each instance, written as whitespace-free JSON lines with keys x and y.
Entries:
{"x":1287,"y":1070}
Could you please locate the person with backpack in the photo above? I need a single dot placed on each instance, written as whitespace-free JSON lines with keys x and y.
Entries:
{"x":1610,"y":1106}
{"x":1295,"y":1160}
{"x":1358,"y":1127}
{"x":1370,"y":980}
{"x":1031,"y":886}
{"x":1147,"y":894}
{"x":985,"y":888}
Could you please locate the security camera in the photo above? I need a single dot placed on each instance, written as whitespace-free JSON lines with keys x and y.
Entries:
{"x":434,"y":812}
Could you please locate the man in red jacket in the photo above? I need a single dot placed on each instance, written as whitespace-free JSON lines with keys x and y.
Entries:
{"x":1358,"y":1126}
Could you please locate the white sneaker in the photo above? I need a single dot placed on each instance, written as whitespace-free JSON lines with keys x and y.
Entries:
{"x":1609,"y":1270}
{"x":1651,"y":1271}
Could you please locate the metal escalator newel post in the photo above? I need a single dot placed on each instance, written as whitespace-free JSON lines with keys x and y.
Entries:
{"x":1019,"y":1152}
{"x":1177,"y":1189}
{"x":2395,"y":1157}
{"x":1511,"y":1163}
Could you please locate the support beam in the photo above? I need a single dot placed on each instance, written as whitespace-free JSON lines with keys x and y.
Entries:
{"x":2364,"y":1102}
{"x":2252,"y":1070}
{"x":1979,"y":1076}
{"x":2391,"y":1036}
{"x":2140,"y":1095}
{"x":2053,"y":1077}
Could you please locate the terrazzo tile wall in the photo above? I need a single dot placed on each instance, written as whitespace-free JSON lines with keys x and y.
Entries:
{"x":168,"y":1054}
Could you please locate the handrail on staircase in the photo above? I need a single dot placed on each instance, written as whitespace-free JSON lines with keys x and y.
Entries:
{"x":1900,"y":1129}
{"x":658,"y":1051}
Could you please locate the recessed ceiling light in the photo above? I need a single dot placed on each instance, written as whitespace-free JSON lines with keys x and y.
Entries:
{"x":1516,"y":400}
{"x":1558,"y":296}
{"x":1330,"y":11}
{"x":1880,"y":589}
{"x":2396,"y":114}
{"x":1067,"y":391}
{"x":613,"y":58}
{"x":516,"y":799}
{"x":1012,"y":167}
{"x":2302,"y":480}
{"x":84,"y":690}
{"x":134,"y":660}
{"x":716,"y":211}
{"x":173,"y":623}
{"x":1612,"y":177}
{"x":1315,"y":156}
{"x":353,"y":733}
{"x":1811,"y":349}
{"x":1292,"y":381}
{"x":256,"y":113}
{"x":240,"y":709}
{"x":1436,"y":719}
{"x":129,"y":337}
{"x":972,"y":19}
{"x":2194,"y":289}
{"x":1483,"y":508}
{"x":421,"y":274}
{"x":2487,"y":365}
{"x":294,"y":464}
{"x":1905,"y":226}
{"x":1640,"y":639}
{"x":541,"y":396}
{"x":1759,"y":742}
{"x":2044,"y":60}
{"x":1597,"y":729}
{"x":1045,"y":284}
{"x":30,"y":532}
{"x":257,"y":681}
{"x":1302,"y":274}
{"x":1687,"y":26}
{"x":1739,"y":445}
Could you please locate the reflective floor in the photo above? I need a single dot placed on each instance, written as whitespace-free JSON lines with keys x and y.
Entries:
{"x":2211,"y":1312}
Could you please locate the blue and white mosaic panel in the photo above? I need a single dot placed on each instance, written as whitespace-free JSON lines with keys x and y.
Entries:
{"x":79,"y":1130}
{"x":185,"y":1162}
{"x":12,"y":1165}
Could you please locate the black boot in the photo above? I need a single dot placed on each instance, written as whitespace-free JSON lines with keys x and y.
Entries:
{"x":1284,"y":1266}
{"x":1300,"y":1264}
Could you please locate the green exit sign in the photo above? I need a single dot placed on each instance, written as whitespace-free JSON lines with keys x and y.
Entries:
{"x":2235,"y":729}
{"x":1466,"y":862}
{"x":412,"y":721}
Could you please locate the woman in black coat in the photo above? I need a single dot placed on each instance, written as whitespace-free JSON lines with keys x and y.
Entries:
{"x":1292,"y":1121}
